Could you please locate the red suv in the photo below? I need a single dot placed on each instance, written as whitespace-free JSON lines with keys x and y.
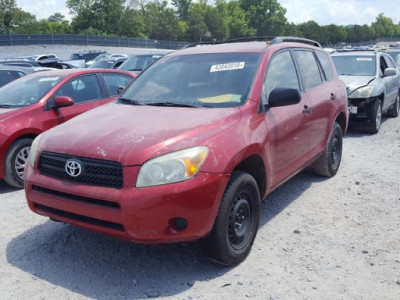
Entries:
{"x":37,"y":102}
{"x":194,"y":144}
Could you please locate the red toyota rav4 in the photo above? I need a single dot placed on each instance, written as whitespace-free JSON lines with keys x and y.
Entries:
{"x":194,"y":144}
{"x":37,"y":102}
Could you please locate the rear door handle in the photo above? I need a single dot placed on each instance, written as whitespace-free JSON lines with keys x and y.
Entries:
{"x":307,"y":109}
{"x":333,"y":96}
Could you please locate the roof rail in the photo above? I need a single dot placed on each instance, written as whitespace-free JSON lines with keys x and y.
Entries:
{"x":282,"y":39}
{"x":269,"y":39}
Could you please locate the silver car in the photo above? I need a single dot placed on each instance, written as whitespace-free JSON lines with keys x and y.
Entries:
{"x":373,"y":84}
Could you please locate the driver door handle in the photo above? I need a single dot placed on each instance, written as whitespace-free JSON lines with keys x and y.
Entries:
{"x":333,"y":96}
{"x":307,"y":109}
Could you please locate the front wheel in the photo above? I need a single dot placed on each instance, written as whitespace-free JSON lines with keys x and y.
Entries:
{"x":15,"y":161}
{"x":236,"y":224}
{"x":394,"y":111}
{"x":328,"y":163}
{"x":374,"y":124}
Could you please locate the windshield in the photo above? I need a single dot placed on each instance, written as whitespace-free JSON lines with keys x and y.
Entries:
{"x":137,"y":63}
{"x":26,"y":90}
{"x":103,"y":64}
{"x":210,"y":80}
{"x":355,"y":65}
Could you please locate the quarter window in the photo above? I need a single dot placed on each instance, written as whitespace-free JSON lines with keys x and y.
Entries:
{"x":325,"y":63}
{"x":114,"y":81}
{"x":309,"y":70}
{"x":281,"y":73}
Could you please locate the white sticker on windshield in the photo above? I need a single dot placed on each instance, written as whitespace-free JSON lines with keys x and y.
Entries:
{"x":48,"y":79}
{"x":364,"y":58}
{"x":227,"y":67}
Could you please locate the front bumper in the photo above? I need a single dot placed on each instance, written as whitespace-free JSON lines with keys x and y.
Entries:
{"x":360,"y":109}
{"x":144,"y":215}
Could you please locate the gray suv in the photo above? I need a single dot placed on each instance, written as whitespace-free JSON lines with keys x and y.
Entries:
{"x":373,"y":84}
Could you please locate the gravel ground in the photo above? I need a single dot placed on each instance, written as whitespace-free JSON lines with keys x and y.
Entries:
{"x":319,"y":238}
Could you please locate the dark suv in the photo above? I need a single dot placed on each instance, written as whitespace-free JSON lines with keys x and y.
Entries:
{"x":194,"y":144}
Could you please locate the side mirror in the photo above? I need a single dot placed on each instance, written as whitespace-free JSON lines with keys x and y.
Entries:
{"x":63,"y":101}
{"x":283,"y":96}
{"x":389,"y":72}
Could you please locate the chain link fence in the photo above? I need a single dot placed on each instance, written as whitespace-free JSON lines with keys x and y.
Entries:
{"x":86,"y":40}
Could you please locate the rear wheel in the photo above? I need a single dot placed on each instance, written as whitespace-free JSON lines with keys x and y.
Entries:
{"x":328,"y":163}
{"x":236,"y":224}
{"x":16,"y":158}
{"x":395,"y":109}
{"x":374,"y":124}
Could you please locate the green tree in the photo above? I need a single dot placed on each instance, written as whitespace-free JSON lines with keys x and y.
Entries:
{"x":182,"y":8}
{"x":237,"y":22}
{"x":266,"y":16}
{"x":8,"y":9}
{"x":56,"y":18}
{"x":197,"y":28}
{"x":161,"y":22}
{"x":383,"y":26}
{"x":132,"y":24}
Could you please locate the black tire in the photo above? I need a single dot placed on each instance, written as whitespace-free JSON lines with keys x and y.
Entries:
{"x":375,"y":121}
{"x":14,"y":163}
{"x":236,"y":224}
{"x":328,"y":163}
{"x":394,"y":111}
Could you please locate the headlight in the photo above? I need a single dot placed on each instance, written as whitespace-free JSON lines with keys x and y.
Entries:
{"x":363,"y":92}
{"x":33,"y":151}
{"x":173,"y":167}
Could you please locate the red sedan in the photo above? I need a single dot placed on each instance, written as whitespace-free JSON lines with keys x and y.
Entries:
{"x":37,"y":102}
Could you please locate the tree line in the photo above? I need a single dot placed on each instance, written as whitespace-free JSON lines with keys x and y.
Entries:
{"x":186,"y":20}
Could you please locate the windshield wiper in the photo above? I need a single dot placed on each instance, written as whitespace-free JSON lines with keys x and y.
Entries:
{"x":5,"y":106}
{"x":174,"y":104}
{"x":130,"y":101}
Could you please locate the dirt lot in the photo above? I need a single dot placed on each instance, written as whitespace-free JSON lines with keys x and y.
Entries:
{"x":319,"y":238}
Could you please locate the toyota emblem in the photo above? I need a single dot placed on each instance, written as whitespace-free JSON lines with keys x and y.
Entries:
{"x":73,"y":168}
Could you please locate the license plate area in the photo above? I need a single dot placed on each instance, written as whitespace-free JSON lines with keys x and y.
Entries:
{"x":353,"y":109}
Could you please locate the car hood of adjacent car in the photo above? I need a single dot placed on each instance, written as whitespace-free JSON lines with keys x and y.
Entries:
{"x":354,"y":82}
{"x":132,"y":135}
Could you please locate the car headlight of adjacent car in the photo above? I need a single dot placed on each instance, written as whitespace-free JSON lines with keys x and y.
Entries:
{"x":173,"y":167}
{"x":363,"y":92}
{"x":33,"y":151}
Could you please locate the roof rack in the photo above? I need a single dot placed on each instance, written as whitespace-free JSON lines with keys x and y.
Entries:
{"x":293,"y":39}
{"x":269,"y":39}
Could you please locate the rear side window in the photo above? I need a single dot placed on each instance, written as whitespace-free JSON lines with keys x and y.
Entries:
{"x":326,"y":64}
{"x":6,"y":77}
{"x":281,"y":73}
{"x":114,"y":81}
{"x":309,"y":70}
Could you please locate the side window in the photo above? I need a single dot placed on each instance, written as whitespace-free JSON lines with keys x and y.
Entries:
{"x":114,"y":81}
{"x":309,"y":70}
{"x":20,"y":74}
{"x":281,"y":72}
{"x":323,"y":58}
{"x":81,"y":89}
{"x":389,"y":62}
{"x":6,"y":77}
{"x":382,"y":65}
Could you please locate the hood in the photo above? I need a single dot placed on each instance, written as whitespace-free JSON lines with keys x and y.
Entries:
{"x":354,"y":82}
{"x":132,"y":134}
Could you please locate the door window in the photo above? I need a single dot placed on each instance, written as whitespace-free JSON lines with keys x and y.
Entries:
{"x":281,"y":73}
{"x":309,"y":70}
{"x":81,"y":89}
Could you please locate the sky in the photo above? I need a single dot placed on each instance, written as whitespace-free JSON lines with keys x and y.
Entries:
{"x":324,"y":12}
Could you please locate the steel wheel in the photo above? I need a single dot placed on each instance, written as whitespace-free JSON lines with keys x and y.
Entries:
{"x":239,"y":225}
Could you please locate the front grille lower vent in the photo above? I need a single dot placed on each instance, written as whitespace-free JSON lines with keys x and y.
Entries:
{"x":94,"y":171}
